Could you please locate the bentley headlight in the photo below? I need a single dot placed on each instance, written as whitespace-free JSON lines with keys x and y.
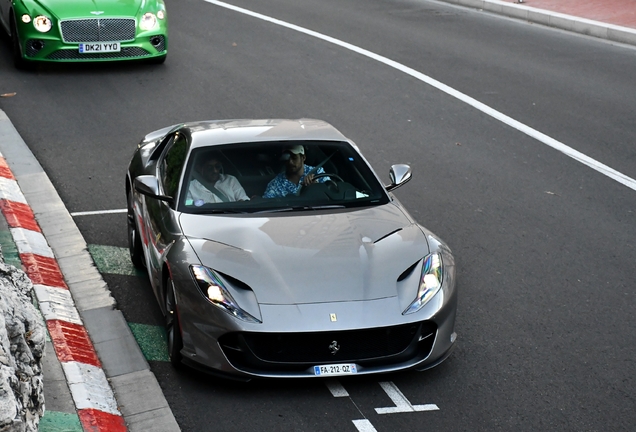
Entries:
{"x":430,"y":282}
{"x":212,"y":287}
{"x":148,"y":21}
{"x":42,"y":23}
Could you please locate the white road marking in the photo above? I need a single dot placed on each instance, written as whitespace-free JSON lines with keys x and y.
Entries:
{"x":545,"y":139}
{"x":336,"y":389}
{"x":402,"y":404}
{"x":10,"y":190}
{"x":363,"y":425}
{"x":29,"y":241}
{"x":89,"y":387}
{"x":98,"y":212}
{"x":57,"y":304}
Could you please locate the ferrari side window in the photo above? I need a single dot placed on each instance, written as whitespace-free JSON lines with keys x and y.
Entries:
{"x":173,"y":165}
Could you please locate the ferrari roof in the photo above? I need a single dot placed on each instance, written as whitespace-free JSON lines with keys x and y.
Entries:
{"x":215,"y":132}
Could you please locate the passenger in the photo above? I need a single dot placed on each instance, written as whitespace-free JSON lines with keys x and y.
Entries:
{"x":210,"y":185}
{"x":296,"y":174}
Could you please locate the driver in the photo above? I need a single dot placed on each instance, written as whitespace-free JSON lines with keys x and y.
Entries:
{"x":296,"y":174}
{"x":210,"y":185}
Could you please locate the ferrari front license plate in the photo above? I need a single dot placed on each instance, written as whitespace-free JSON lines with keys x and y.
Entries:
{"x":335,"y":369}
{"x":97,"y":47}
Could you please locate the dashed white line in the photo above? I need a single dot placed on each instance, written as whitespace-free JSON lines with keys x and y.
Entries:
{"x":363,"y":425}
{"x":551,"y":142}
{"x":98,"y":212}
{"x":402,"y":404}
{"x":336,"y":389}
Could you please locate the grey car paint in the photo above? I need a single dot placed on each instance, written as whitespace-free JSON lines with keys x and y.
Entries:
{"x":302,"y":269}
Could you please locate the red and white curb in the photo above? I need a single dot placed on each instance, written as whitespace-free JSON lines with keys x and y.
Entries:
{"x":90,"y":389}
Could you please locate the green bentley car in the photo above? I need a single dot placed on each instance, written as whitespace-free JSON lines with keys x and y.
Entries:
{"x":85,"y":30}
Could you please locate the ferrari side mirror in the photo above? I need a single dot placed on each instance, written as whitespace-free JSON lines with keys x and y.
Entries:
{"x":400,"y":174}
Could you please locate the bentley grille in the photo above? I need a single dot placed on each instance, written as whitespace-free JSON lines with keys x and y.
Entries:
{"x":73,"y":54}
{"x":98,"y":30}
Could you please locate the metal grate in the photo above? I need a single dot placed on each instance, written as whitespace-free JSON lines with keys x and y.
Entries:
{"x":98,"y":30}
{"x":162,"y":44}
{"x":73,"y":54}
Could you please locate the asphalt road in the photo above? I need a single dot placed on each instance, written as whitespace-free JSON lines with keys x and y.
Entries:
{"x":544,"y":244}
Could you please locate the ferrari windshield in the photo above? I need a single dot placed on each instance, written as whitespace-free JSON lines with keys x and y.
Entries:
{"x":277,"y":176}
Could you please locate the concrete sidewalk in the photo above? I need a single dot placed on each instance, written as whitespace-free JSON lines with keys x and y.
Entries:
{"x":612,"y":20}
{"x":95,"y":375}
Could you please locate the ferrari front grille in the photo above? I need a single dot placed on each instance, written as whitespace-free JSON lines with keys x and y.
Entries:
{"x":324,"y":347}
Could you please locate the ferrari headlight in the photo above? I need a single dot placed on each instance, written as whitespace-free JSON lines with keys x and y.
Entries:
{"x":26,"y":18}
{"x":148,"y":21}
{"x":430,"y":282}
{"x":217,"y":294}
{"x":42,"y":23}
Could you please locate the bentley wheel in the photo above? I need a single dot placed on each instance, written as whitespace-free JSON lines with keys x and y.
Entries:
{"x":173,"y":327}
{"x":18,"y":61}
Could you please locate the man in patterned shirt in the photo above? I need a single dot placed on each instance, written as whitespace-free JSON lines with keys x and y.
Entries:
{"x":296,"y":174}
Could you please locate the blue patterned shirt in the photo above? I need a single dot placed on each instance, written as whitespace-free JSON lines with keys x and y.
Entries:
{"x":280,"y":186}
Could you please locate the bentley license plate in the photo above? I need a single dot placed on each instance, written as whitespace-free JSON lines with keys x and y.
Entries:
{"x":97,"y":47}
{"x":335,"y":369}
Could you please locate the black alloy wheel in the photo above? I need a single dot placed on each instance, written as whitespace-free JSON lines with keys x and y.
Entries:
{"x":134,"y":240}
{"x":173,"y":327}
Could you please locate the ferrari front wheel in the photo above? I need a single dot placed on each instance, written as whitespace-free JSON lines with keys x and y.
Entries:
{"x":173,"y":326}
{"x":134,"y":241}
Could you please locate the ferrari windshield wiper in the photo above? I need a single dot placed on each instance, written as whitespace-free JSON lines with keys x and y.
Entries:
{"x":301,"y":208}
{"x":327,"y":206}
{"x":221,"y":211}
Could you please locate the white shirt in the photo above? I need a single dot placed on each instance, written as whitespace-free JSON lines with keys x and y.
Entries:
{"x":227,"y":184}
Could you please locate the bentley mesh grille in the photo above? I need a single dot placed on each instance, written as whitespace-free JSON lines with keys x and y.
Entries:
{"x":314,"y":348}
{"x":98,"y":30}
{"x":161,"y":46}
{"x":73,"y":54}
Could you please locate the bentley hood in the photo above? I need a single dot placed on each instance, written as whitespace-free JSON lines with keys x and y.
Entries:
{"x":310,"y":258}
{"x":64,"y":9}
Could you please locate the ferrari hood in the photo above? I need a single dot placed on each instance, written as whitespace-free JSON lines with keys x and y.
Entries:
{"x":310,"y":258}
{"x":64,"y":9}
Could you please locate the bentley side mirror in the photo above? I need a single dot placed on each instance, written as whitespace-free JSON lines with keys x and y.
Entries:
{"x":400,"y":174}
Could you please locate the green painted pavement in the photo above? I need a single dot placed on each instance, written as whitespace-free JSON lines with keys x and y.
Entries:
{"x":152,"y":340}
{"x":116,"y":260}
{"x":54,"y":421}
{"x":113,"y":260}
{"x":9,"y":251}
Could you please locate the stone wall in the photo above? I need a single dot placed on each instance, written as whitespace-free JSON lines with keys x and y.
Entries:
{"x":22,"y":339}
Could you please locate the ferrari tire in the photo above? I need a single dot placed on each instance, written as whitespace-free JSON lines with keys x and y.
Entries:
{"x":134,"y":240}
{"x":173,"y":326}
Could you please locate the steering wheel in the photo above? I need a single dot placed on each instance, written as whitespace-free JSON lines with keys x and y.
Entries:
{"x":321,"y":175}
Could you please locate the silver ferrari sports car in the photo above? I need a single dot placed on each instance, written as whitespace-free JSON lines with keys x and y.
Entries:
{"x":275,"y":251}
